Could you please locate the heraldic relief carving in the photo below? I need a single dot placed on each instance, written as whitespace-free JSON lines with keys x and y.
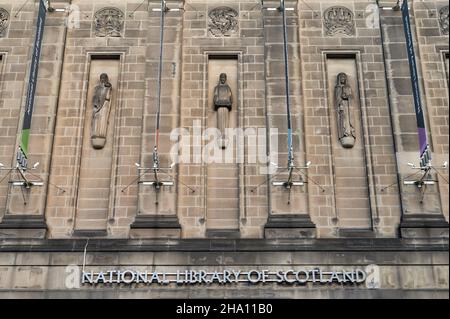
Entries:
{"x":443,"y":19}
{"x":223,"y":21}
{"x":4,"y":18}
{"x":108,"y":22}
{"x":343,"y":95}
{"x":339,"y":20}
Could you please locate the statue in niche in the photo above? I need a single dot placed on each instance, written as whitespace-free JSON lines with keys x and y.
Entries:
{"x":343,"y":95}
{"x":101,"y":103}
{"x":223,"y":101}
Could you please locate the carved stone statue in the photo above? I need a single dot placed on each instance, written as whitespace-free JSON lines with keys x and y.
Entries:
{"x":223,"y":101}
{"x":343,"y":95}
{"x":101,"y":103}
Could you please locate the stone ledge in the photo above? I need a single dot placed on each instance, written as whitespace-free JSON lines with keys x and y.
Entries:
{"x":244,"y":245}
{"x":90,"y":233}
{"x":285,"y":226}
{"x":423,"y":221}
{"x":23,"y":226}
{"x":356,"y":233}
{"x":421,"y":226}
{"x":23,"y":222}
{"x":156,"y":221}
{"x":223,"y":233}
{"x":289,"y":221}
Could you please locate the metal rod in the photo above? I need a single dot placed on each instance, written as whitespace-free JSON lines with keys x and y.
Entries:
{"x":23,"y":5}
{"x":131,"y":14}
{"x":442,"y":176}
{"x":286,"y":73}
{"x":84,"y":254}
{"x":158,"y":101}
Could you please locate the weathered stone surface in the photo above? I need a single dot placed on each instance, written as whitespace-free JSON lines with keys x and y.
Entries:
{"x":355,"y":207}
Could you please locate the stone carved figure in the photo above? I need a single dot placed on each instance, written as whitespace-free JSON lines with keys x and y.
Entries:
{"x":223,"y":101}
{"x":108,"y":22}
{"x":101,"y":104}
{"x":223,"y":21}
{"x":343,"y":95}
{"x":339,"y":20}
{"x":4,"y":18}
{"x":444,"y":19}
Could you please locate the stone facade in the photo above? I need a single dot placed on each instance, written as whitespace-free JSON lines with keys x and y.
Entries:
{"x":353,"y":209}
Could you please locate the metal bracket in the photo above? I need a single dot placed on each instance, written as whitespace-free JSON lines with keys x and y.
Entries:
{"x":280,"y":8}
{"x":424,"y":180}
{"x":290,"y":182}
{"x":157,"y":183}
{"x":22,"y":171}
{"x":165,"y":8}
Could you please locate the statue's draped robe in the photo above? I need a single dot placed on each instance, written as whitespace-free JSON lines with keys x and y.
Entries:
{"x":343,"y":94}
{"x":223,"y":101}
{"x":100,"y":117}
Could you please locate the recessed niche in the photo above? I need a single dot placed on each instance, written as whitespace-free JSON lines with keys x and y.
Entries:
{"x":347,"y":142}
{"x":223,"y":172}
{"x":95,"y":175}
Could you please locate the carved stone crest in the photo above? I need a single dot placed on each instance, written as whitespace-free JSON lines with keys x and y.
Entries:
{"x":108,"y":22}
{"x":443,"y":19}
{"x":223,"y":21}
{"x":339,"y":20}
{"x":4,"y":18}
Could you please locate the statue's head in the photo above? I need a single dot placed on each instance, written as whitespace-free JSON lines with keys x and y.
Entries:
{"x":104,"y":78}
{"x":342,"y":78}
{"x":223,"y":78}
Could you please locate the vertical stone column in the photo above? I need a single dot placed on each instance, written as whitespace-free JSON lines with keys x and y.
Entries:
{"x":24,"y":216}
{"x":15,"y":49}
{"x":288,"y":217}
{"x":432,"y":41}
{"x":84,"y":46}
{"x":202,"y":40}
{"x":358,"y":38}
{"x":157,"y":211}
{"x":420,"y":218}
